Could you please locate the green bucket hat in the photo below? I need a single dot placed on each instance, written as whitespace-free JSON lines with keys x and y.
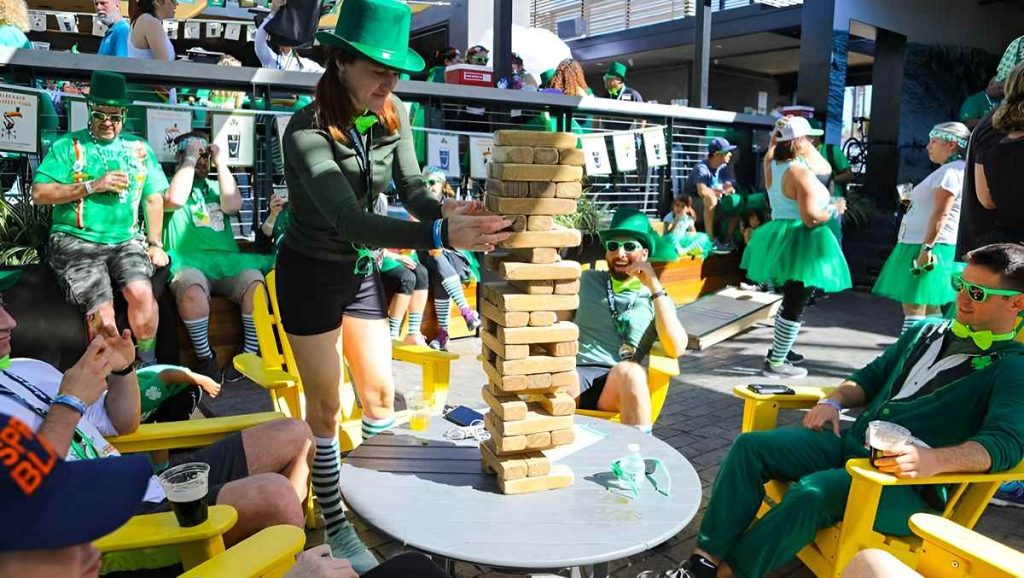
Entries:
{"x":108,"y":89}
{"x":616,"y":69}
{"x":8,"y":278}
{"x":377,"y":29}
{"x":545,"y":78}
{"x":634,"y":224}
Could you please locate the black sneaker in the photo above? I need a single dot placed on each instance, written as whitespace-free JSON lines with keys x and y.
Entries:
{"x":232,"y":375}
{"x":698,"y":566}
{"x":208,"y":367}
{"x":791,"y":357}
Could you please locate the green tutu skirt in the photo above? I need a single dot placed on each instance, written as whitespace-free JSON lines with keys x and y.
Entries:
{"x":785,"y":250}
{"x":929,"y":288}
{"x":220,"y":264}
{"x":692,"y":245}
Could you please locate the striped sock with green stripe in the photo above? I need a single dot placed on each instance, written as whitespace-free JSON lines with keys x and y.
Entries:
{"x":415,"y":320}
{"x":372,"y":427}
{"x":783,"y":339}
{"x":453,"y":286}
{"x":395,"y":325}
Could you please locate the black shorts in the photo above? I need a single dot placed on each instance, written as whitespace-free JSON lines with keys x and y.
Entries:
{"x":227,"y":462}
{"x":592,"y":380}
{"x":314,"y":294}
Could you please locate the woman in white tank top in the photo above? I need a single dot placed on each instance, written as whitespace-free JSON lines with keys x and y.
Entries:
{"x":148,"y":39}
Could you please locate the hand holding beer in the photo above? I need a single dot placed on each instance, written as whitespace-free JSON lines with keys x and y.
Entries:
{"x":112,"y":182}
{"x":910,"y":461}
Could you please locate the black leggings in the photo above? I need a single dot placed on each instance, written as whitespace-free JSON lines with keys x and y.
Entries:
{"x":405,"y":280}
{"x":407,"y":565}
{"x":795,"y":297}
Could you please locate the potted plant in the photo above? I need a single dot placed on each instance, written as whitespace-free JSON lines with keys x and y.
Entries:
{"x":24,"y":230}
{"x":588,"y":218}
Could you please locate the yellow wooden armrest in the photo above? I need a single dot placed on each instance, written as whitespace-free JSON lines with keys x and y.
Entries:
{"x":188,"y":434}
{"x":804,"y":396}
{"x":269,"y":552}
{"x":251,"y":366}
{"x":419,"y":353}
{"x":660,"y":362}
{"x":961,"y":542}
{"x":197,"y":544}
{"x":861,"y":468}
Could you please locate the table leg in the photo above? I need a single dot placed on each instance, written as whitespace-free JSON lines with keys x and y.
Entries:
{"x":594,"y":571}
{"x":446,"y":564}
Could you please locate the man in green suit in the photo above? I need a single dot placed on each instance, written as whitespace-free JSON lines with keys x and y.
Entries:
{"x":958,"y":386}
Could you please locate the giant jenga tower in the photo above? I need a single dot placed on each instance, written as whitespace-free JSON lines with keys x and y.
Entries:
{"x":529,"y":346}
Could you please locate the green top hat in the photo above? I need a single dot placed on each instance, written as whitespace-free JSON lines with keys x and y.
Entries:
{"x":8,"y":278}
{"x":635,"y":225}
{"x":108,"y":89}
{"x":545,"y":78}
{"x":377,"y":29}
{"x":616,"y":69}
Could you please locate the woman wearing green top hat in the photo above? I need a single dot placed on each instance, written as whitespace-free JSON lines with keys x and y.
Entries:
{"x":340,"y":153}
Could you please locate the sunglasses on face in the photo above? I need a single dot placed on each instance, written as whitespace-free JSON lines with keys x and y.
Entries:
{"x":432,"y":182}
{"x":627,"y":246}
{"x":100,"y":116}
{"x":979,"y":293}
{"x":478,"y":60}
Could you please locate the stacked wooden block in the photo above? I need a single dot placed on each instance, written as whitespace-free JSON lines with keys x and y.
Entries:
{"x":529,"y":346}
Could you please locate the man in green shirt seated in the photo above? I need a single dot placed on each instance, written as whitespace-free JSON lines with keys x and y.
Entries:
{"x":958,"y":386}
{"x":205,"y":259}
{"x":96,"y":179}
{"x":622,"y":311}
{"x":979,"y":104}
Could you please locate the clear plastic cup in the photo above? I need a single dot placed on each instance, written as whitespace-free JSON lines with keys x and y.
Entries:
{"x":883,"y":436}
{"x":419,"y":411}
{"x":187,"y":487}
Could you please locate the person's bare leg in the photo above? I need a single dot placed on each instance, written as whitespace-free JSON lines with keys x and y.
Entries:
{"x":710,"y":202}
{"x":625,"y":391}
{"x":367,"y":347}
{"x":319,"y":361}
{"x":142,"y":312}
{"x":417,"y":304}
{"x":281,"y":447}
{"x":262,"y":500}
{"x":399,"y":305}
{"x":914,"y":309}
{"x":246,"y":304}
{"x":874,"y":563}
{"x":193,"y":303}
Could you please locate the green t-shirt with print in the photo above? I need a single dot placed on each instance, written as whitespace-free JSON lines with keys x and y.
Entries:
{"x":599,"y":342}
{"x":976,"y":106}
{"x":153,"y":391}
{"x":107,"y":218}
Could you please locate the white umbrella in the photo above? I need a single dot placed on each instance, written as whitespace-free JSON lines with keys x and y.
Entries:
{"x":539,"y":48}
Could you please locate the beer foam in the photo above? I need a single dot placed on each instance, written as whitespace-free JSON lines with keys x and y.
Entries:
{"x":186,"y":492}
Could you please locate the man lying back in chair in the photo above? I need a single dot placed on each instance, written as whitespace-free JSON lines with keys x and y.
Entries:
{"x":958,"y":386}
{"x":263,"y":472}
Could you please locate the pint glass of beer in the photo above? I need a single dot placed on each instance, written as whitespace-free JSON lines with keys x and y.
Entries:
{"x":186,"y":487}
{"x":884,"y":436}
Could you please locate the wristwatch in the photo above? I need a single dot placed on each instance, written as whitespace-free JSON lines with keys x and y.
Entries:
{"x":831,"y":402}
{"x":659,"y":293}
{"x":927,"y":247}
{"x":157,"y":244}
{"x":88,"y":187}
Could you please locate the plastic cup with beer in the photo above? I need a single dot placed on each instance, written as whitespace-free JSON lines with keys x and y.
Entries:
{"x":883,"y":436}
{"x":419,"y":411}
{"x":904,"y":190}
{"x":187,"y":487}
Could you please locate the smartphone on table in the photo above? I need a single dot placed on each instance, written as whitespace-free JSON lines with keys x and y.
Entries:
{"x":771,"y":389}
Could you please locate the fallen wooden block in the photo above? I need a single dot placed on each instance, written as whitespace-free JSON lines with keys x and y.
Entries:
{"x":513,"y":467}
{"x":502,"y":350}
{"x":511,"y":188}
{"x":560,"y":403}
{"x":506,"y":407}
{"x":504,"y":318}
{"x":560,"y":331}
{"x":531,"y":206}
{"x":560,"y":271}
{"x":560,"y":477}
{"x":534,"y":287}
{"x":567,"y":287}
{"x":542,"y":318}
{"x":506,"y":299}
{"x":545,"y":173}
{"x":530,"y":138}
{"x":540,"y":223}
{"x":568,"y":190}
{"x":557,"y":237}
{"x":574,"y":157}
{"x":512,"y":154}
{"x":546,"y":156}
{"x":538,"y":255}
{"x":504,"y":384}
{"x":535,"y":422}
{"x":562,"y":349}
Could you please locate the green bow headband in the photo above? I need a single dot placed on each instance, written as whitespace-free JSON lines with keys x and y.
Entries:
{"x":942,"y":135}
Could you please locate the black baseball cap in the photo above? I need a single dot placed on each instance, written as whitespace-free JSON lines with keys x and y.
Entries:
{"x":719,"y":145}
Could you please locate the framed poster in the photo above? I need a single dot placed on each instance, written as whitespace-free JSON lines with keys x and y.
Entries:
{"x":654,"y":147}
{"x":281,"y":121}
{"x":625,"y":152}
{"x":443,"y":153}
{"x":235,"y":134}
{"x":163,"y":125}
{"x":19,"y":119}
{"x":596,"y":153}
{"x":479,"y":155}
{"x":78,"y":112}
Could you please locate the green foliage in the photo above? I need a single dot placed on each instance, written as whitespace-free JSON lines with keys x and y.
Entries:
{"x":588,"y":218}
{"x":24,"y":230}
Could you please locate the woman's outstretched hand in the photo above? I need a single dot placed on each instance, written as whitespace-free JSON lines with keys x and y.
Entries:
{"x":471,"y":226}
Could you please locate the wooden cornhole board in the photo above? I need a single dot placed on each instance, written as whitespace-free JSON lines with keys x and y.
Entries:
{"x":720,"y":315}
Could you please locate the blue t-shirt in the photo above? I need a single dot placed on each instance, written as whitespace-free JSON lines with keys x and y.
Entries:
{"x":115,"y":41}
{"x":702,"y":173}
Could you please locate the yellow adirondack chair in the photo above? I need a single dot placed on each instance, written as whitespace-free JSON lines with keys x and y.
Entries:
{"x":950,"y":550}
{"x":268,"y":554}
{"x":660,"y":371}
{"x":835,"y":546}
{"x":274,"y":369}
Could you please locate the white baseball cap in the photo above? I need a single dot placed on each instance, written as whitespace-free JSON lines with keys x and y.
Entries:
{"x":793,"y":127}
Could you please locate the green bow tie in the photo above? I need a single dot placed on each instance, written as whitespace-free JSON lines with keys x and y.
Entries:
{"x":631,"y":284}
{"x":983,"y":339}
{"x":364,"y":122}
{"x":5,"y":362}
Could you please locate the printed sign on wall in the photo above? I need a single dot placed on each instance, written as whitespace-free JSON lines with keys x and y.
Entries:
{"x":19,"y":115}
{"x":163,"y":125}
{"x":443,"y":153}
{"x":625,"y":152}
{"x":282,"y":124}
{"x":78,"y":113}
{"x":479,"y":155}
{"x":654,"y":147}
{"x":235,"y":135}
{"x":596,"y":153}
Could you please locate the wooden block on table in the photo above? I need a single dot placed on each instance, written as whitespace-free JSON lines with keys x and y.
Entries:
{"x":519,"y":224}
{"x":534,"y":287}
{"x":568,"y":190}
{"x":546,"y":156}
{"x":561,"y":331}
{"x":511,"y":189}
{"x":562,"y":437}
{"x":543,"y":190}
{"x":534,"y":364}
{"x":531,"y":206}
{"x":502,"y":350}
{"x":538,"y":255}
{"x":504,"y":318}
{"x":546,"y":173}
{"x":560,"y":349}
{"x":567,"y":287}
{"x":557,"y":237}
{"x":559,"y":403}
{"x":559,"y":477}
{"x":540,"y":223}
{"x":506,"y":407}
{"x":560,"y":271}
{"x":536,"y":421}
{"x":506,"y":299}
{"x":543,"y":318}
{"x":530,"y":138}
{"x":512,"y":154}
{"x":573,"y":157}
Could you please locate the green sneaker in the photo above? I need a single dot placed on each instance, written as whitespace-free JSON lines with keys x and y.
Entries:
{"x":345,"y":543}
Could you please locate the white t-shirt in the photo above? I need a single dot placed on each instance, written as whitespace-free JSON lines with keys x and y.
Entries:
{"x":950,"y":177}
{"x":94,"y":424}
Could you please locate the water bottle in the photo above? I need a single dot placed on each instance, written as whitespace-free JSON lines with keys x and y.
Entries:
{"x":633,"y":467}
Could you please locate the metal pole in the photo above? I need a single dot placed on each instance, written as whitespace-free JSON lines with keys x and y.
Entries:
{"x":701,"y":55}
{"x":501,"y":56}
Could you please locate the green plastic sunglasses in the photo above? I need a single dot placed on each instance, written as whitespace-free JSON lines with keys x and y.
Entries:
{"x":628,"y":246}
{"x":979,"y":293}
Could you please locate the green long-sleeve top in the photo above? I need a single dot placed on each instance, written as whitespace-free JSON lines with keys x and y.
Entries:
{"x":981,"y":401}
{"x":330,"y":207}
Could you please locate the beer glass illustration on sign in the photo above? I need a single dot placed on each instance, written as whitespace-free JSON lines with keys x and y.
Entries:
{"x":234,"y":139}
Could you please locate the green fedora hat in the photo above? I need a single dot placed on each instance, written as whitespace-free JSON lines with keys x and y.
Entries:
{"x":108,"y":89}
{"x":616,"y":69}
{"x":8,"y":278}
{"x":633,"y":224}
{"x":377,"y":29}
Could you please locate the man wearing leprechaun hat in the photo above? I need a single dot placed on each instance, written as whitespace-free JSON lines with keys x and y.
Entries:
{"x":615,"y":84}
{"x":96,"y":179}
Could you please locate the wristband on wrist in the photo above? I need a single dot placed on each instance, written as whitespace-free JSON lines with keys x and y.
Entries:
{"x":125,"y":371}
{"x":831,"y":402}
{"x":438,"y":244}
{"x":927,"y":247}
{"x":72,"y":402}
{"x":659,"y":293}
{"x":88,"y":187}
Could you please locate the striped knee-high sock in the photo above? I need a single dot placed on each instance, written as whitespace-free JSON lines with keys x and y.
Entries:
{"x":415,"y":319}
{"x":454,"y":288}
{"x":252,"y":344}
{"x":372,"y":427}
{"x":783,"y":340}
{"x":909,"y":321}
{"x":326,"y":482}
{"x":442,"y":307}
{"x":199,"y":333}
{"x":395,"y":325}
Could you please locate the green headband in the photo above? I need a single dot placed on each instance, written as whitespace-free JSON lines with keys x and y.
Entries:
{"x":960,"y":141}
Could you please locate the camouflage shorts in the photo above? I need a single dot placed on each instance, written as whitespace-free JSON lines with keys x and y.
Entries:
{"x":85,"y":269}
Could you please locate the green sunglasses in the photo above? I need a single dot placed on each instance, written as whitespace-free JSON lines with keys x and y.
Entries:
{"x":979,"y":293}
{"x":100,"y":116}
{"x":628,"y":246}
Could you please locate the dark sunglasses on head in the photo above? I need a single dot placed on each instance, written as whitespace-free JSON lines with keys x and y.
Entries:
{"x":979,"y":293}
{"x":628,"y":246}
{"x":100,"y":116}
